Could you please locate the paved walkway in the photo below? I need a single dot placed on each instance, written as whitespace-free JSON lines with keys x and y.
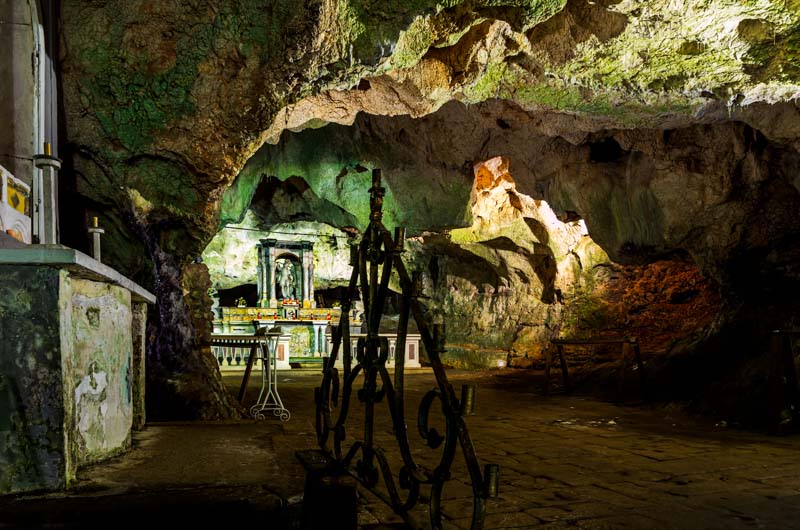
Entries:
{"x":565,"y":462}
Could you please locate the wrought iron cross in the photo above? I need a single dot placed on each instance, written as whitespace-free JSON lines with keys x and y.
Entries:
{"x":373,"y":259}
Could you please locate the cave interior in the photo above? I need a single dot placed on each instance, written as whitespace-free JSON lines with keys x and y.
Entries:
{"x":571,"y":176}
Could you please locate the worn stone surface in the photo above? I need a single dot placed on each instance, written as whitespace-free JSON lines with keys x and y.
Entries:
{"x":66,"y":375}
{"x":31,"y":384}
{"x":96,"y":357}
{"x":565,"y":462}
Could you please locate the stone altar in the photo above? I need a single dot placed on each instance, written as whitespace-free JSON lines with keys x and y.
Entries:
{"x":286,"y":299}
{"x":71,"y":364}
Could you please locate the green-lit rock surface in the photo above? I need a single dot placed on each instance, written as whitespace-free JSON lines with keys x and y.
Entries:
{"x":166,"y":103}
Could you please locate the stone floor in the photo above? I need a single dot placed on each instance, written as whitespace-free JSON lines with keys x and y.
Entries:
{"x":566,"y":461}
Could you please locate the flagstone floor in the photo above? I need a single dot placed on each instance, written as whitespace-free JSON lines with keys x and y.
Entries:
{"x":565,"y":462}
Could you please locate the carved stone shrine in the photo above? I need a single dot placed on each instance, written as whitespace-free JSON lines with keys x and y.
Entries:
{"x":285,"y":273}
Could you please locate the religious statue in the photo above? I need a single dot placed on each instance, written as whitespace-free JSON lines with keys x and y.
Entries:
{"x":286,"y":279}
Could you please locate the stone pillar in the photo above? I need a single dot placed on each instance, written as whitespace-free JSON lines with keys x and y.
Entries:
{"x":302,"y":291}
{"x":138,"y":327}
{"x":309,"y":246}
{"x":268,"y":257}
{"x":260,"y":276}
{"x":20,"y":105}
{"x":47,"y":215}
{"x":311,"y":280}
{"x":269,"y":269}
{"x":319,"y":337}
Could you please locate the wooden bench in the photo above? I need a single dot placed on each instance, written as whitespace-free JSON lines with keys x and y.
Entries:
{"x":784,"y":391}
{"x":626,"y":342}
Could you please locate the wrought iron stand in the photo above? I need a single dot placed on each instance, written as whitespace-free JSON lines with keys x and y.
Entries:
{"x":268,"y":397}
{"x":374,"y":259}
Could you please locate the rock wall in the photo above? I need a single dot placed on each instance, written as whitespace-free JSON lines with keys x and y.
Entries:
{"x":520,"y":276}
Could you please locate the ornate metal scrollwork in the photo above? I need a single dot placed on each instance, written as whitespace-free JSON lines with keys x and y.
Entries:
{"x":373,"y":260}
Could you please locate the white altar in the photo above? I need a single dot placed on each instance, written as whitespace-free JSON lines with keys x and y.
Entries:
{"x":292,"y":353}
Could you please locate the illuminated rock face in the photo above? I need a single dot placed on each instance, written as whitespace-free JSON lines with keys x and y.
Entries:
{"x":165,"y":103}
{"x":520,"y":276}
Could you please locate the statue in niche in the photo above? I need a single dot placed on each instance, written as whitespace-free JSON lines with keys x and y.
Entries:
{"x":286,"y":279}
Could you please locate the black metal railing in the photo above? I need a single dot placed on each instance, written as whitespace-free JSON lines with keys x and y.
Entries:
{"x":373,"y":259}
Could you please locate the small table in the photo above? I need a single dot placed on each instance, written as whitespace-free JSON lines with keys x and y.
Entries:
{"x":263,"y":345}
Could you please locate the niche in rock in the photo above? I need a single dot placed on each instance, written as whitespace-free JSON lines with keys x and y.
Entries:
{"x":232,"y":260}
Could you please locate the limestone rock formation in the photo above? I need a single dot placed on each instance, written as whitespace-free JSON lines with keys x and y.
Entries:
{"x":520,"y":276}
{"x":667,"y":126}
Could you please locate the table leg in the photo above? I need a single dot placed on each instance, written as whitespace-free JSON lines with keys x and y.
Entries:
{"x":250,"y":360}
{"x":790,"y":380}
{"x":642,"y":381}
{"x":268,"y":398}
{"x":626,"y":351}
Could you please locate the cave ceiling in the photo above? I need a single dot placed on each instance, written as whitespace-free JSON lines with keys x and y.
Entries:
{"x":665,"y":125}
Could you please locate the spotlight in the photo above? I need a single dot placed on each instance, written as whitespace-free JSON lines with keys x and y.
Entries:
{"x":501,"y":364}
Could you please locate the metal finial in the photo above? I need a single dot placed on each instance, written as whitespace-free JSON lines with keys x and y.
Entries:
{"x":399,"y":239}
{"x":376,"y":196}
